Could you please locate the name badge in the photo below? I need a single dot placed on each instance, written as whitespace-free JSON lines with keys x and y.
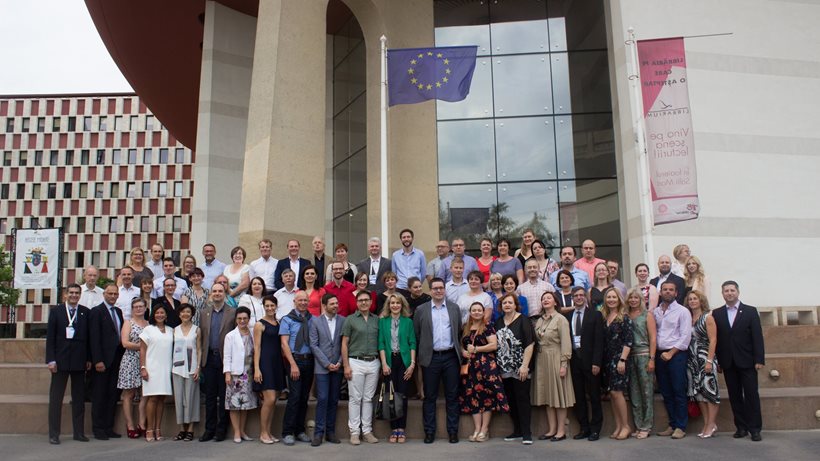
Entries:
{"x":69,"y":332}
{"x":372,"y":279}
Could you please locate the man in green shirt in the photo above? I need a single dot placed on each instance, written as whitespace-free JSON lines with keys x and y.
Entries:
{"x":360,"y":355}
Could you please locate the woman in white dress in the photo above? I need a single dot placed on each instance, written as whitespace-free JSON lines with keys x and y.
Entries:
{"x":253,"y":300}
{"x":238,"y":273}
{"x":156,"y":349}
{"x":185,"y":377}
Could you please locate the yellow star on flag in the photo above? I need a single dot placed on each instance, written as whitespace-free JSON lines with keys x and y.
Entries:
{"x":445,"y":80}
{"x":429,"y":53}
{"x":421,"y":55}
{"x":447,"y":71}
{"x":421,"y":86}
{"x":410,"y":71}
{"x":413,"y":61}
{"x":438,"y":84}
{"x":413,"y":80}
{"x":429,"y":87}
{"x":438,"y":55}
{"x":446,"y":61}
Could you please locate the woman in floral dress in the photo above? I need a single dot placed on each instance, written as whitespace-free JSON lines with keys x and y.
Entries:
{"x":237,"y":366}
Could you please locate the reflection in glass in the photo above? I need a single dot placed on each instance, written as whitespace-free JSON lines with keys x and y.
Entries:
{"x":588,"y":72}
{"x":466,"y":212}
{"x":358,"y":123}
{"x":589,"y":210}
{"x":466,"y":152}
{"x":522,"y":85}
{"x":341,"y":188}
{"x":465,"y":35}
{"x":585,"y":146}
{"x":358,"y":179}
{"x":525,"y":148}
{"x":582,"y":21}
{"x":341,"y":136}
{"x":519,"y":37}
{"x":529,"y":205}
{"x":561,"y":83}
{"x":479,"y":103}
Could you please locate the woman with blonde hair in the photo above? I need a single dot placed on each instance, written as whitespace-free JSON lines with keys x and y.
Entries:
{"x":237,"y":273}
{"x":482,"y":390}
{"x":701,"y":367}
{"x":642,"y":358}
{"x":695,"y":277}
{"x":601,"y":281}
{"x":681,"y":254}
{"x":136,"y":261}
{"x":618,"y":339}
{"x":397,"y":350}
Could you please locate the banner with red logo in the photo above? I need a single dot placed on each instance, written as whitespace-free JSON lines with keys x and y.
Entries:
{"x":669,"y":139}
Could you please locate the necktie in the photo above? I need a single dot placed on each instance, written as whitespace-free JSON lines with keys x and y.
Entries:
{"x":114,"y":319}
{"x":71,"y":312}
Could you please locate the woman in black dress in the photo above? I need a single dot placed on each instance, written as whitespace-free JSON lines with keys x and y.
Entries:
{"x":599,"y":284}
{"x":269,"y":374}
{"x":618,"y":341}
{"x":167,"y":301}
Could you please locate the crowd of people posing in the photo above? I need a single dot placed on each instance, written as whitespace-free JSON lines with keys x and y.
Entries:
{"x":504,"y":333}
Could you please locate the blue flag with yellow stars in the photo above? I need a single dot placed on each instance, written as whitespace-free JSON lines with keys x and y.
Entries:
{"x":419,"y":74}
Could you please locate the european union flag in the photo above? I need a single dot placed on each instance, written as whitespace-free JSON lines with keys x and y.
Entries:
{"x":419,"y":74}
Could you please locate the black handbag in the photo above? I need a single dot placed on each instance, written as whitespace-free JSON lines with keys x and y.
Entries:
{"x":390,"y":405}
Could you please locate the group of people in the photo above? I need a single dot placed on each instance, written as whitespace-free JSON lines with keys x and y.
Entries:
{"x":520,"y":330}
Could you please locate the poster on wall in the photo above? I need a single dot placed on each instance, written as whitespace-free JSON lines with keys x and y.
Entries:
{"x":669,"y":139}
{"x":36,"y":258}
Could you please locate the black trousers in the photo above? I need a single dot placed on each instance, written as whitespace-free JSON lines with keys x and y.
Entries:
{"x":293,"y":422}
{"x":585,"y":383}
{"x":213,"y":385}
{"x":518,"y":396}
{"x":397,"y":370}
{"x":104,"y":398}
{"x":56,"y":392}
{"x":444,"y":368}
{"x":744,"y":398}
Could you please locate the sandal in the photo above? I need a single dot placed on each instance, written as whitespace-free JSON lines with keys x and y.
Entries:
{"x":482,"y":437}
{"x":394,"y":436}
{"x":180,"y":436}
{"x":642,"y":435}
{"x":189,"y":437}
{"x":149,"y":436}
{"x":158,"y":435}
{"x":401,"y":437}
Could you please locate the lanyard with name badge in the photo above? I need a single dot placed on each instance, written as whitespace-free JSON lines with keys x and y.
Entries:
{"x":69,"y":330}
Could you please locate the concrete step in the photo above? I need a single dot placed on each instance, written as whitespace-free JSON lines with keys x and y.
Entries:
{"x":785,"y":408}
{"x":25,"y":378}
{"x":22,"y":351}
{"x":792,"y":338}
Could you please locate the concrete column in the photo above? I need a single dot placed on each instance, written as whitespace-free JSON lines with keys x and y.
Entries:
{"x":224,"y":92}
{"x":283,"y":188}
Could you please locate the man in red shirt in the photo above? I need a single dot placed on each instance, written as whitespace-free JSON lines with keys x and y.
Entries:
{"x":588,"y":262}
{"x":342,"y":289}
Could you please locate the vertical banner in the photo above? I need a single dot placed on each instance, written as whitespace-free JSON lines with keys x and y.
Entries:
{"x":669,"y":139}
{"x":36,"y":258}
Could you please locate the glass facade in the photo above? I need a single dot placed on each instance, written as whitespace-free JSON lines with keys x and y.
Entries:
{"x":349,"y":140}
{"x":532,"y":145}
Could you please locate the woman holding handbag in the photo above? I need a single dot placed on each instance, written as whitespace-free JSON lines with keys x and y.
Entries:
{"x":482,"y":390}
{"x":397,"y":349}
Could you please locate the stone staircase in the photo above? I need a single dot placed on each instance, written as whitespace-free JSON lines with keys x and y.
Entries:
{"x":788,"y":401}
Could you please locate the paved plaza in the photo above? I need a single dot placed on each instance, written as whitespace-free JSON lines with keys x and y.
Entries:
{"x":782,"y":445}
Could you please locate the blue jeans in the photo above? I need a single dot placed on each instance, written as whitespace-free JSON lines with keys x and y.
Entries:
{"x":328,"y":387}
{"x":298,"y":393}
{"x":672,"y":383}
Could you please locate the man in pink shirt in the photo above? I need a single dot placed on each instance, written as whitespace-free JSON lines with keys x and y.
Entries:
{"x":588,"y":261}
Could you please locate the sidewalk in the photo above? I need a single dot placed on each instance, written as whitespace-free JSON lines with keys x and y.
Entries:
{"x":789,"y":445}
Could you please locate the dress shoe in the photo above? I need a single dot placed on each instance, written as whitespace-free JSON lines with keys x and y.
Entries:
{"x":429,"y":437}
{"x":594,"y":436}
{"x":558,"y":439}
{"x":545,"y":436}
{"x":206,"y":437}
{"x":331,"y":438}
{"x":512,"y":437}
{"x":317,"y":440}
{"x":113,"y":435}
{"x":453,"y":437}
{"x":669,"y":431}
{"x":678,"y":434}
{"x":54,"y":440}
{"x":101,"y":436}
{"x":219,"y":437}
{"x":756,"y":437}
{"x":81,"y":438}
{"x":581,"y":435}
{"x":302,"y":437}
{"x":740,"y":433}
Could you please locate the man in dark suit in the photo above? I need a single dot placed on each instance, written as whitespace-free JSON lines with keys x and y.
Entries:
{"x":326,"y":344}
{"x":67,"y":356}
{"x":375,"y":266}
{"x":217,"y":320}
{"x":665,"y":269}
{"x":740,"y":354}
{"x":438,"y":331}
{"x":587,"y":331}
{"x":293,"y":261}
{"x":104,"y":331}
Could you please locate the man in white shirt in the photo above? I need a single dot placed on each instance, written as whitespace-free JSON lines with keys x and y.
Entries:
{"x":285,"y":295}
{"x":265,"y":266}
{"x":442,"y":251}
{"x":168,"y":268}
{"x":127,"y":292}
{"x":212,"y":267}
{"x":533,"y":288}
{"x":457,"y":285}
{"x":92,"y":295}
{"x":375,"y":266}
{"x":155,"y":264}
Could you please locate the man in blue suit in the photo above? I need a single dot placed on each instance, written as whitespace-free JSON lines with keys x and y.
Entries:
{"x":326,"y":344}
{"x":296,"y":263}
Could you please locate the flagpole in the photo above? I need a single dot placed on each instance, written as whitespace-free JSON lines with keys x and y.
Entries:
{"x":383,"y":148}
{"x":640,"y":144}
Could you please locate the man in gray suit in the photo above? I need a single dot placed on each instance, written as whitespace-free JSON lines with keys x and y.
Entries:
{"x":217,"y":320}
{"x":374,"y":265}
{"x":438,"y":332}
{"x":326,"y":344}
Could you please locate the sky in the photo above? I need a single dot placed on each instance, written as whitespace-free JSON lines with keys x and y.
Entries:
{"x":52,"y":46}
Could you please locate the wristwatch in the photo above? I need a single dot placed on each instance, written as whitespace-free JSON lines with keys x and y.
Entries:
{"x":622,"y":360}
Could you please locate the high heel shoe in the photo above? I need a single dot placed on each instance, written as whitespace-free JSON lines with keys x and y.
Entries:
{"x":472,"y":437}
{"x":482,"y":437}
{"x":708,"y":435}
{"x":149,"y":436}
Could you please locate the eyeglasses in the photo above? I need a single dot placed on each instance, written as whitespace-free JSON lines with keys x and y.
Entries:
{"x":437,"y":288}
{"x":364,"y":300}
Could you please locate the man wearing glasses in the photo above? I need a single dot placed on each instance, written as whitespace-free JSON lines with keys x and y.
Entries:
{"x":360,"y":356}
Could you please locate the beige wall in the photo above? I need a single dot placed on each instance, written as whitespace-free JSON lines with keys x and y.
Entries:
{"x":754,"y":98}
